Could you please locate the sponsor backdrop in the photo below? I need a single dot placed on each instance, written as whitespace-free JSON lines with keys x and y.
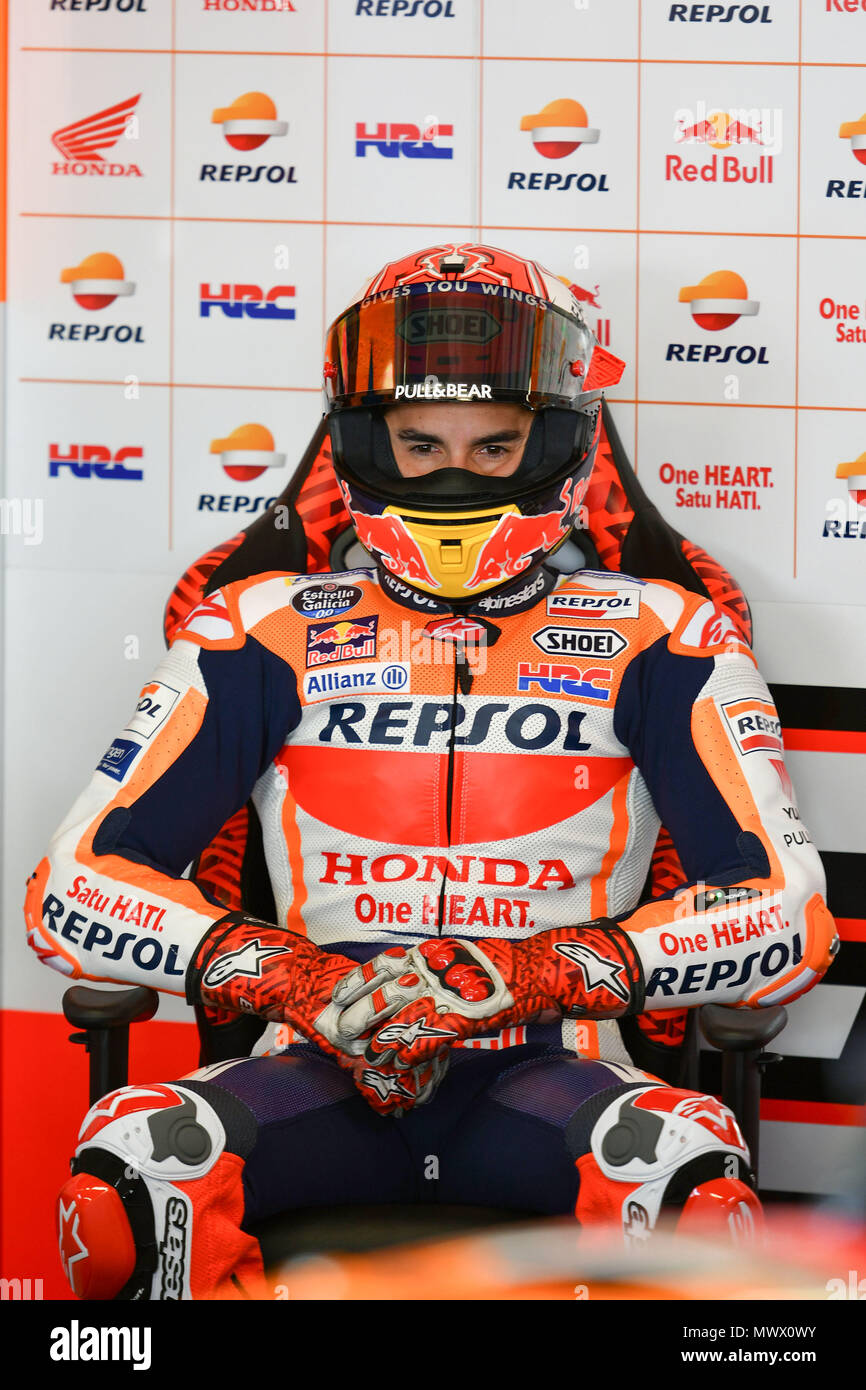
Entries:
{"x":195,"y":187}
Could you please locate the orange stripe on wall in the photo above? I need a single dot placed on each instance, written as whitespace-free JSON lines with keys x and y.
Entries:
{"x":851,"y":928}
{"x":825,"y":740}
{"x":813,"y":1112}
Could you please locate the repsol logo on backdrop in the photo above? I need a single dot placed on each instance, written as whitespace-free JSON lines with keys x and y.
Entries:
{"x":722,"y":14}
{"x":405,"y":9}
{"x":108,"y":943}
{"x":403,"y":723}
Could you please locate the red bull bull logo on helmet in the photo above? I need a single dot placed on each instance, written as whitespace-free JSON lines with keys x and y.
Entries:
{"x":516,"y":539}
{"x":388,"y":537}
{"x":341,"y":641}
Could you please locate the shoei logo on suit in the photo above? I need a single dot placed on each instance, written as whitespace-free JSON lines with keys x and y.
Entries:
{"x":84,"y":143}
{"x":247,"y":124}
{"x":94,"y":461}
{"x":576,"y":641}
{"x":850,"y":523}
{"x":399,"y":138}
{"x":246,"y":301}
{"x":245,"y":455}
{"x":95,"y":283}
{"x":855,"y":133}
{"x":715,"y":303}
{"x":558,"y":130}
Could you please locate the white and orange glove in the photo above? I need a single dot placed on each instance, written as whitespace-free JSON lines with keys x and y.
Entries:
{"x":411,"y":1006}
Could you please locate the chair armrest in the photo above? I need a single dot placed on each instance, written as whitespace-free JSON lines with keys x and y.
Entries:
{"x":741,"y":1030}
{"x":102,"y":1008}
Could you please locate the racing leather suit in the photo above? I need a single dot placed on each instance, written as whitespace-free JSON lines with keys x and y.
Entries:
{"x":419,"y":774}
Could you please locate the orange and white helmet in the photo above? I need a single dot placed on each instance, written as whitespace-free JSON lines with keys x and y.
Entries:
{"x":465,"y":323}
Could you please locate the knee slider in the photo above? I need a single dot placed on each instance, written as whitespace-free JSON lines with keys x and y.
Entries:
{"x":163,"y":1132}
{"x":97,"y":1246}
{"x":663,"y":1143}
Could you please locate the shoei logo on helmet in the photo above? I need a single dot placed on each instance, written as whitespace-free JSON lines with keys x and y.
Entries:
{"x":451,"y":324}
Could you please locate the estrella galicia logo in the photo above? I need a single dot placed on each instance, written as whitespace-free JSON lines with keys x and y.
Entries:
{"x":400,"y":138}
{"x":118,"y":759}
{"x":326,"y":600}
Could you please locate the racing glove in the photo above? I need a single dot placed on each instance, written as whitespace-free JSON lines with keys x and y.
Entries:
{"x":411,"y":1005}
{"x":248,"y":966}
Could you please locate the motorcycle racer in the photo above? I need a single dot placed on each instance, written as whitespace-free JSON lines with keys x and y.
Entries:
{"x":457,"y":831}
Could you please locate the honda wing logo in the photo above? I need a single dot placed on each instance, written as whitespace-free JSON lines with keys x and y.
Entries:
{"x":87,"y":139}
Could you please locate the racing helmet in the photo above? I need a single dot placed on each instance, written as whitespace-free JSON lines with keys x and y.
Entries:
{"x":465,"y":323}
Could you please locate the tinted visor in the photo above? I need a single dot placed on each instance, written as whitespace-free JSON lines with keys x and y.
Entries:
{"x":455,"y":340}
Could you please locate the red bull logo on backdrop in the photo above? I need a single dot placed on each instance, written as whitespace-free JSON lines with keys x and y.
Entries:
{"x":348,"y":640}
{"x":559,"y":130}
{"x":84,"y":144}
{"x":719,"y":131}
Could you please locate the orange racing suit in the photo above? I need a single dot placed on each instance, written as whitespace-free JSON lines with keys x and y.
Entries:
{"x":485,"y":776}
